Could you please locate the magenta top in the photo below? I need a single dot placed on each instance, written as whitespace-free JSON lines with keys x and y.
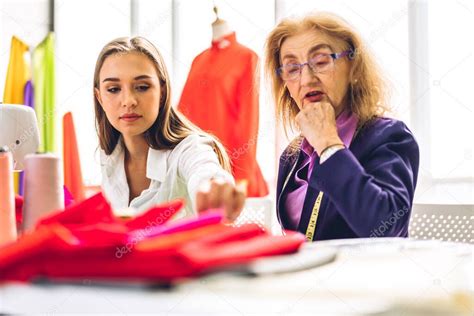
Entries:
{"x":346,"y":124}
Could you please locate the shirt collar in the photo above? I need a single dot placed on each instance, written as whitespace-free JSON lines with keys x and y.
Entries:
{"x":224,"y":41}
{"x":346,"y":124}
{"x":113,"y":161}
{"x":156,"y":165}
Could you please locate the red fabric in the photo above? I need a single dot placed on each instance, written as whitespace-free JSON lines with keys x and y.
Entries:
{"x":19,"y":200}
{"x":72,"y":164}
{"x":87,"y":241}
{"x":221,"y":97}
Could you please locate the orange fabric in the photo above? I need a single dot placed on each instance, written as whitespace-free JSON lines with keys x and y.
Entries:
{"x":221,"y":97}
{"x":72,"y":164}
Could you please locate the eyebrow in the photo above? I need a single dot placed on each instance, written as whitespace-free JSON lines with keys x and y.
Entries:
{"x":136,"y":78}
{"x":311,"y":50}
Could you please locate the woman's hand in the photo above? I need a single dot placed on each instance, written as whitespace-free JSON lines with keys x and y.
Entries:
{"x":317,"y":123}
{"x":217,"y":193}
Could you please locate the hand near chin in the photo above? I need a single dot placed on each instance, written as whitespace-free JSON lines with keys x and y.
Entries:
{"x":217,"y":193}
{"x":317,"y":122}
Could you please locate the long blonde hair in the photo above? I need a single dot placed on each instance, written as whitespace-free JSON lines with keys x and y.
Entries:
{"x":367,"y":90}
{"x":170,"y":127}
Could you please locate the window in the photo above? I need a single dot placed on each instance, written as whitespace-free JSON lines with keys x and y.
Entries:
{"x":421,"y":47}
{"x":82,"y":29}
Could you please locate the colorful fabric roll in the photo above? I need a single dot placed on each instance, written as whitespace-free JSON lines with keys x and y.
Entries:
{"x":44,"y":92}
{"x":18,"y":73}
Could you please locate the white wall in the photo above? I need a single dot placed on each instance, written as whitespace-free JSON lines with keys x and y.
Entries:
{"x":82,"y":29}
{"x":26,"y":19}
{"x":181,"y":30}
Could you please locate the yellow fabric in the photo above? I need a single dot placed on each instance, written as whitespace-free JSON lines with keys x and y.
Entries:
{"x":18,"y":74}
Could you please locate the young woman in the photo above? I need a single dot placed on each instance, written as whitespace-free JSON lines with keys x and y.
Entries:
{"x":352,"y":172}
{"x":150,"y":153}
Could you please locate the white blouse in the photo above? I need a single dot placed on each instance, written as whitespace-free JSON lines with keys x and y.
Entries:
{"x":174,"y":174}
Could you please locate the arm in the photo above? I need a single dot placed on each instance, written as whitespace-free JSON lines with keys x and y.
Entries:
{"x":209,"y":185}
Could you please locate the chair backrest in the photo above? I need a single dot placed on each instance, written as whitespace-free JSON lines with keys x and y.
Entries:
{"x":442,"y":222}
{"x":258,"y":211}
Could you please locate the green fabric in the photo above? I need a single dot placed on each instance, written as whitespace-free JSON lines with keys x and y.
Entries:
{"x":44,"y":91}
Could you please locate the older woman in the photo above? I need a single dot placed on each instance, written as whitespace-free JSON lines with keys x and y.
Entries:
{"x":352,"y":172}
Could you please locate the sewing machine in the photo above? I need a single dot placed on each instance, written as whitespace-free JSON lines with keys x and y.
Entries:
{"x":19,"y":131}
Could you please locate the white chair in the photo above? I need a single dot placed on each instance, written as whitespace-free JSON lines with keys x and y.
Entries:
{"x":258,"y":211}
{"x":442,"y":222}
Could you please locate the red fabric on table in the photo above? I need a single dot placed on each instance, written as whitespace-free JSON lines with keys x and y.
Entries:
{"x":87,"y":242}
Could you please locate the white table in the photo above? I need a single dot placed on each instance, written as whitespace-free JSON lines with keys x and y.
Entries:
{"x":369,"y":277}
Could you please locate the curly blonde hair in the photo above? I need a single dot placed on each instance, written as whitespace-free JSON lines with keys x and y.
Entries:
{"x":367,"y":90}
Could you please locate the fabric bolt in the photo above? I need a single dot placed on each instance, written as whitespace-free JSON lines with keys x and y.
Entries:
{"x":44,"y":92}
{"x":18,"y":72}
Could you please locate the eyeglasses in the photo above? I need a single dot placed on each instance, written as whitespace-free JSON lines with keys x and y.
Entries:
{"x":321,"y":63}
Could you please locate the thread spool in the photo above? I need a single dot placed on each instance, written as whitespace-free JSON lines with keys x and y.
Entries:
{"x":8,"y":231}
{"x":43,"y":188}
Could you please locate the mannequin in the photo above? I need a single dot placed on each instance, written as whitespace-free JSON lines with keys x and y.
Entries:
{"x":231,"y":94}
{"x":220,"y":28}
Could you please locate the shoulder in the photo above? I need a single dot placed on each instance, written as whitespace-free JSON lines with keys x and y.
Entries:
{"x":192,"y":145}
{"x":201,"y":58}
{"x":194,"y":139}
{"x":383,"y":128}
{"x":291,"y":152}
{"x":387,"y":134}
{"x":243,"y":52}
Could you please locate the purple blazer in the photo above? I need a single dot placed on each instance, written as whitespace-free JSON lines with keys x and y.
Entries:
{"x":368,"y":187}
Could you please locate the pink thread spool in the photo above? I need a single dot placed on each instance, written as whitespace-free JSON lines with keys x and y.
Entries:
{"x":8,"y":232}
{"x":43,"y":188}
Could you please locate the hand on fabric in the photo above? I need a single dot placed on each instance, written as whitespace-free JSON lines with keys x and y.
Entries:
{"x":217,"y":193}
{"x":317,"y":122}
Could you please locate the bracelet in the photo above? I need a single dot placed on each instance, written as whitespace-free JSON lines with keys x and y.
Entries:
{"x":329,"y":151}
{"x":336,"y":144}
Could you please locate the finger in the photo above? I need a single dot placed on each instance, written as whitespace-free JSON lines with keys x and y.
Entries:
{"x":215,"y":194}
{"x":227,"y":199}
{"x":201,"y":201}
{"x":238,"y":201}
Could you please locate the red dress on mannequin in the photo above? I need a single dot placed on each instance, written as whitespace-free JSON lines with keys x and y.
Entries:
{"x":221,"y":97}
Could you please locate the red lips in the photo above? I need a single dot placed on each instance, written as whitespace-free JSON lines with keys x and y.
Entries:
{"x":314,"y":96}
{"x":130,"y":117}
